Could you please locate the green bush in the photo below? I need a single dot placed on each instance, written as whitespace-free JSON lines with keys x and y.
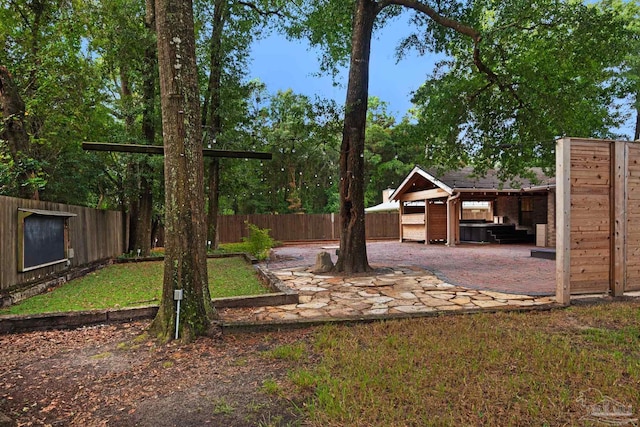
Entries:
{"x":258,"y":243}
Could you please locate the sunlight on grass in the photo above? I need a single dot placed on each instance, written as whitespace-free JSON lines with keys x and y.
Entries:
{"x":488,"y":369}
{"x":137,"y":284}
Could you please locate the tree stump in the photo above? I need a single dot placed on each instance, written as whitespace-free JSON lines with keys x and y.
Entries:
{"x":323,"y":263}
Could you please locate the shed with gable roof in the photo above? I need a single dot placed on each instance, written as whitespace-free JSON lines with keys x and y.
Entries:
{"x":460,"y":206}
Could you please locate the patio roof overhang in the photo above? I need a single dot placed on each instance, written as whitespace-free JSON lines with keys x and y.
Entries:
{"x":421,"y":185}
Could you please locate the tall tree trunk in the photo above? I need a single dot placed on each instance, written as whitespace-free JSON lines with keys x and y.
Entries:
{"x":126,"y":99}
{"x":185,"y":266}
{"x":133,"y":204}
{"x":212,"y":119}
{"x":145,"y":210}
{"x":353,"y":249}
{"x":14,"y":131}
{"x":12,"y":108}
{"x":133,"y":168}
{"x":145,"y":199}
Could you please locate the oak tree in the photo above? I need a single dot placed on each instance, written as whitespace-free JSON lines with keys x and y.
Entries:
{"x":185,"y":267}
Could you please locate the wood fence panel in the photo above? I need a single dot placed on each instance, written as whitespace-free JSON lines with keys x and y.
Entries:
{"x":632,"y":221}
{"x":93,"y":235}
{"x":590,"y":190}
{"x":383,"y":225}
{"x":296,"y":227}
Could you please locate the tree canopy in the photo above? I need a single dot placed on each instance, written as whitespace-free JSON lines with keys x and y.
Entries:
{"x":552,"y":70}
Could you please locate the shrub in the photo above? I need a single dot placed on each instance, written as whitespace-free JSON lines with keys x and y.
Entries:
{"x":259,"y":241}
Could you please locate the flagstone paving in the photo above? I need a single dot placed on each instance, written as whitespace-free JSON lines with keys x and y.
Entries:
{"x":391,"y":292}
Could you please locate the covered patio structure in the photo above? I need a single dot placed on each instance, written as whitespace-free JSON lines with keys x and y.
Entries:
{"x":459,"y":206}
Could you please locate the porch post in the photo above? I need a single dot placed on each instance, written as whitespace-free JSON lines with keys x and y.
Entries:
{"x":401,"y":213}
{"x":426,"y":222}
{"x":451,"y":234}
{"x":456,"y":220}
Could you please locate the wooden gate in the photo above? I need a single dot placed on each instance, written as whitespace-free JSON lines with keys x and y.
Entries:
{"x":598,"y":217}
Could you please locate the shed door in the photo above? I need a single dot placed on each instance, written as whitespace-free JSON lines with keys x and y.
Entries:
{"x":437,"y":218}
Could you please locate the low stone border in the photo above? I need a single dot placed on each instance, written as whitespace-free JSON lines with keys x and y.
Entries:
{"x":230,"y":328}
{"x":250,"y":259}
{"x":281,"y":295}
{"x":75,"y":319}
{"x":13,"y":323}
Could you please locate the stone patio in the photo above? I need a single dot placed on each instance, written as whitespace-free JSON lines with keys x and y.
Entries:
{"x":401,"y":291}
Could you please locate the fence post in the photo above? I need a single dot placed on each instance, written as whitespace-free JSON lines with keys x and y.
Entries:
{"x":563,"y":221}
{"x":618,"y":217}
{"x":333,"y":233}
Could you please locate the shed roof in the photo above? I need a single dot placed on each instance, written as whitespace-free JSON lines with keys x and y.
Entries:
{"x":466,"y":180}
{"x":384,"y":207}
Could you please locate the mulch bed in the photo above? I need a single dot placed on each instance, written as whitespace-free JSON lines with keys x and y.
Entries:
{"x":113,"y":376}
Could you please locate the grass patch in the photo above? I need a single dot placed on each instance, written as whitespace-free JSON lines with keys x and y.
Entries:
{"x":271,"y":386}
{"x":230,"y":277}
{"x":136,"y":284}
{"x":220,"y":406}
{"x":291,"y":352}
{"x":536,"y":368}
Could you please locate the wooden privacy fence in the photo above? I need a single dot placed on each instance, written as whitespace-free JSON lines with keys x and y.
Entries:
{"x":93,"y":235}
{"x":293,"y":227}
{"x":598,"y":217}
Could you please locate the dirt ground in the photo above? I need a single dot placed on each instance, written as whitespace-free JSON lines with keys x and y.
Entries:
{"x":109,"y":376}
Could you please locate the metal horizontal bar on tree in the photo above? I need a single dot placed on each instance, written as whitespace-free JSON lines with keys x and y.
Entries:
{"x":159,"y":149}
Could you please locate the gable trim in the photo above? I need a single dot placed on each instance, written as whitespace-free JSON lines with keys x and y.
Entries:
{"x":403,"y":187}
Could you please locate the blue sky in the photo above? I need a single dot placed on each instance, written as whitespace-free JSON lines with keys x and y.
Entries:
{"x":283,"y":64}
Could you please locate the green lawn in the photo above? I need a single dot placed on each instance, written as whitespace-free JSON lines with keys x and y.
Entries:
{"x":136,"y":284}
{"x":578,"y":366}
